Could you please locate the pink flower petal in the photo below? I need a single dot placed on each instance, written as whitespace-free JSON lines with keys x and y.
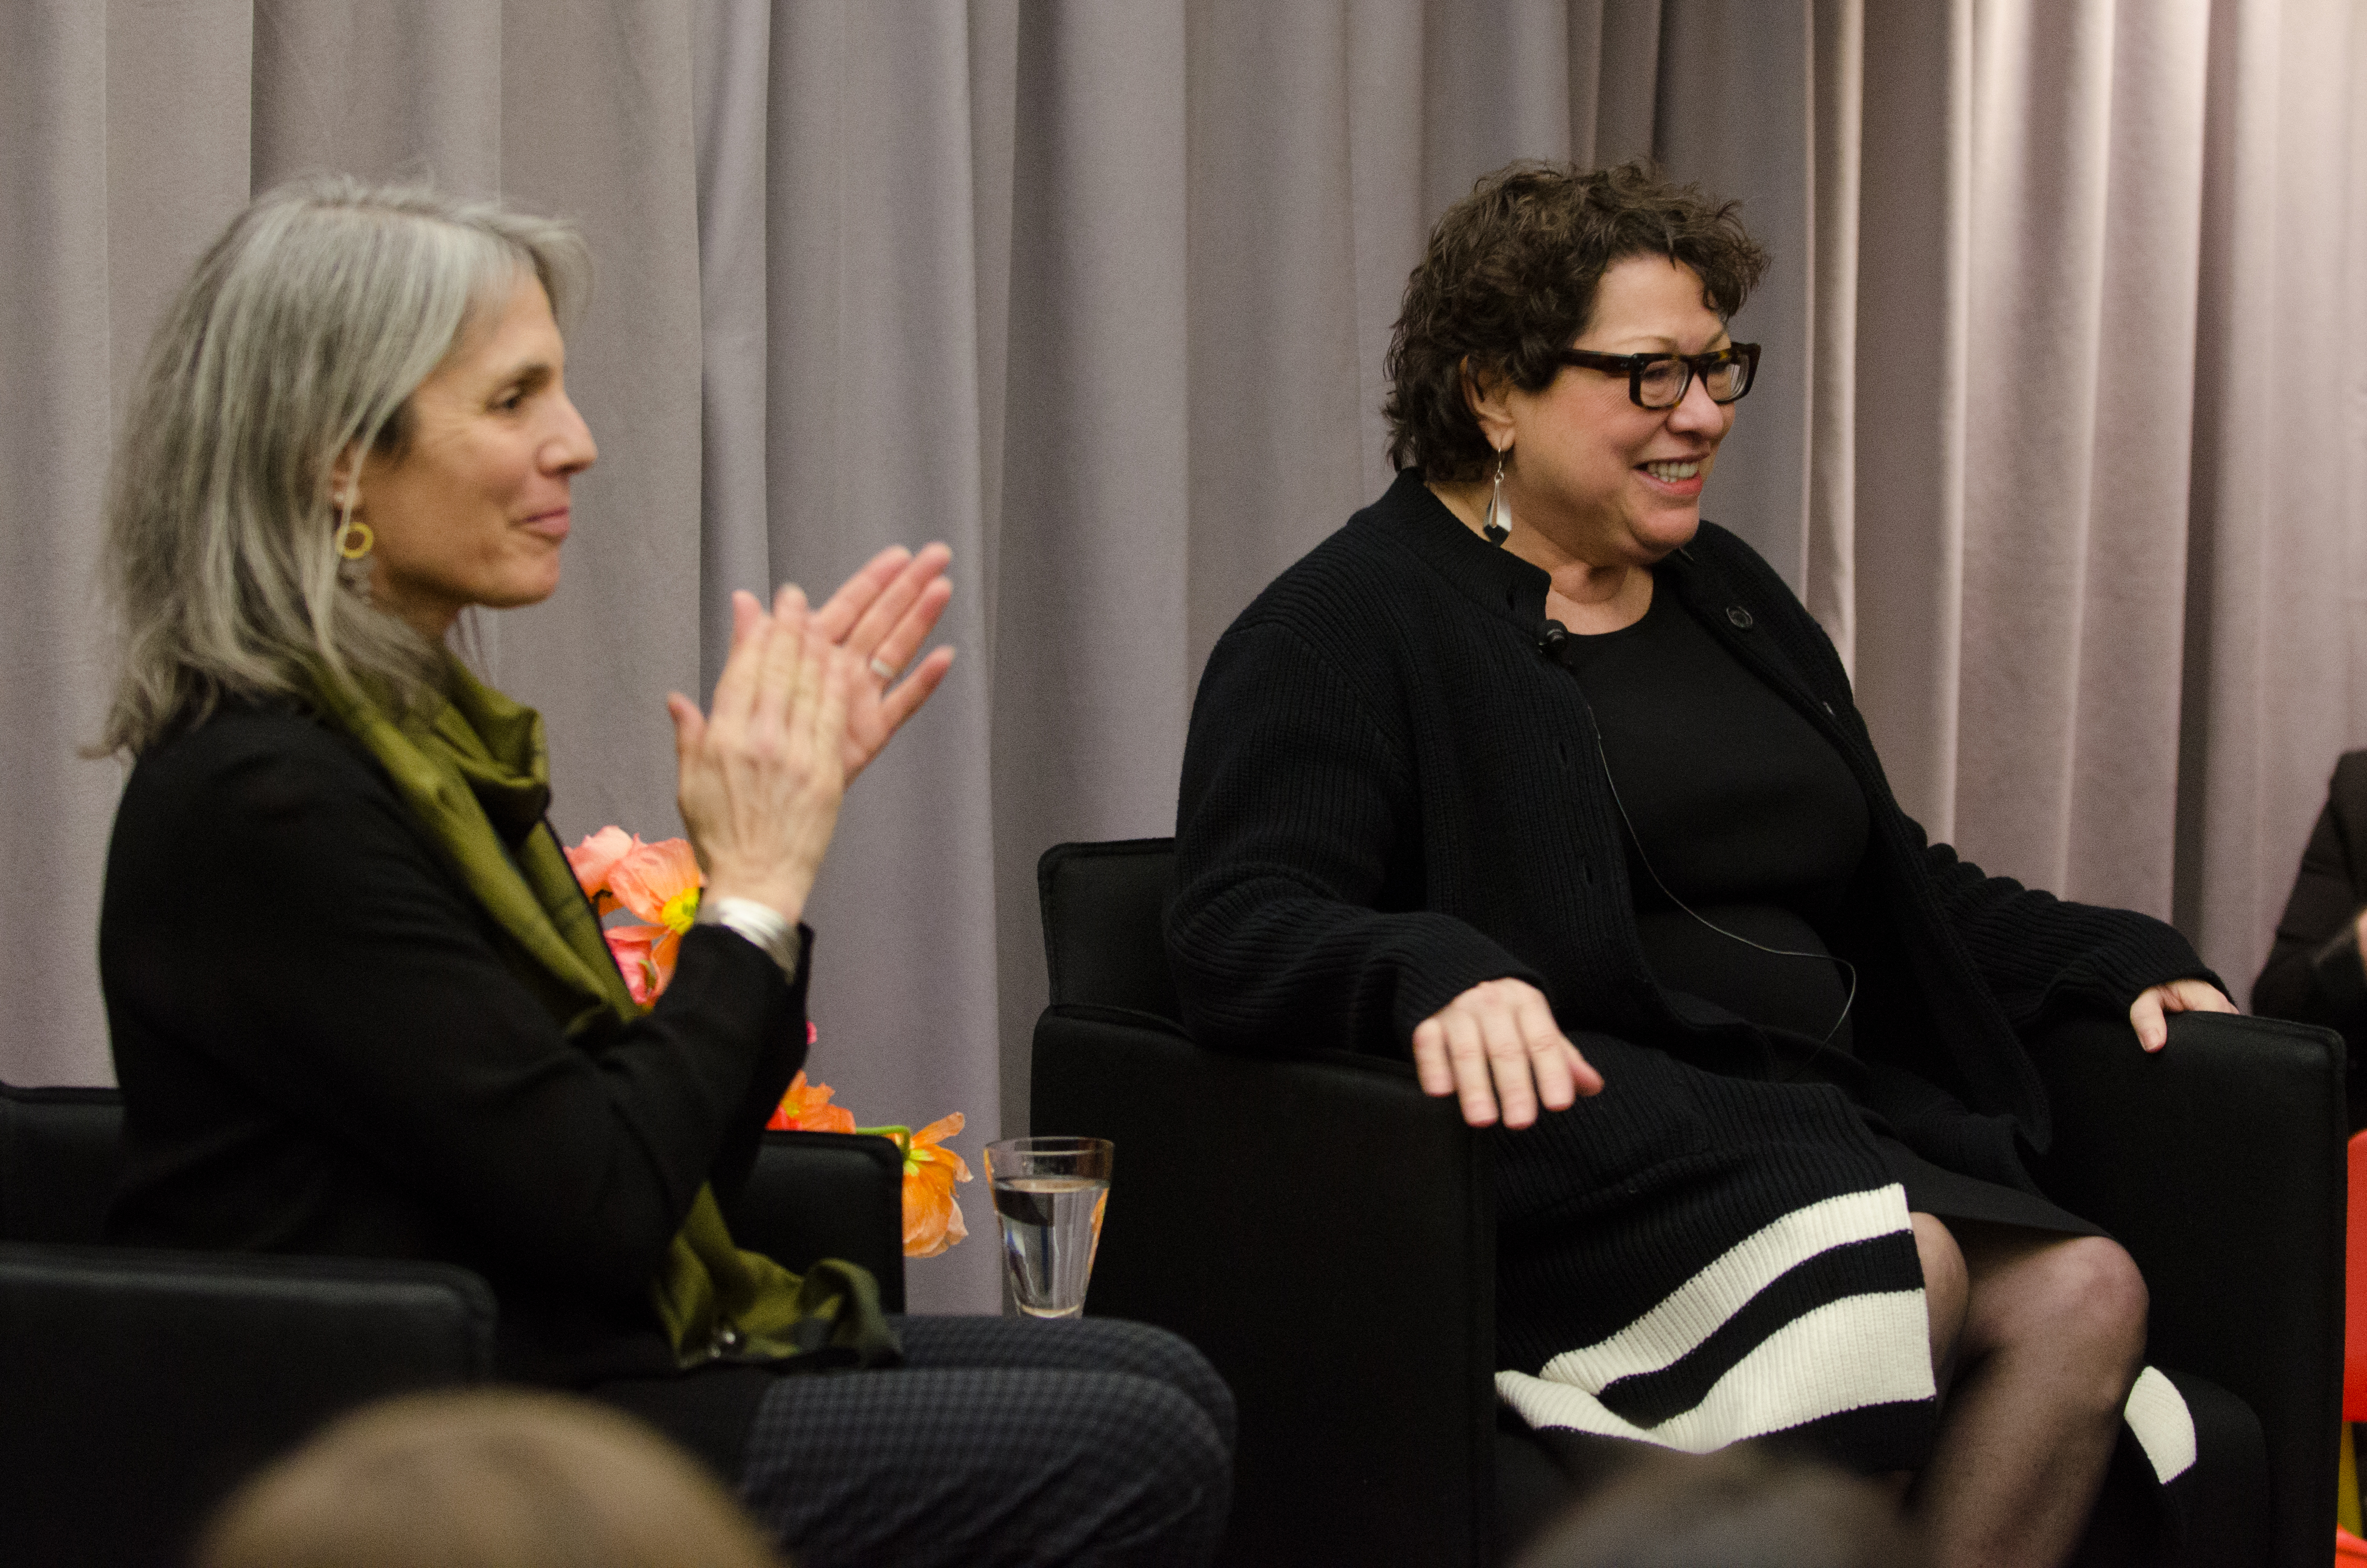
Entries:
{"x":593,"y":860}
{"x":631,"y":946}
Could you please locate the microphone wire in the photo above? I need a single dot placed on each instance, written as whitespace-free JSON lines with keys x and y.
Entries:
{"x":1552,"y":646}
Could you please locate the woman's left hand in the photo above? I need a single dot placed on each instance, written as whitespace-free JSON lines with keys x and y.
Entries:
{"x":882,"y":615}
{"x":2178,"y":997}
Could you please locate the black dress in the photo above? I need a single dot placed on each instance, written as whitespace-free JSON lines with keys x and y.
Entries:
{"x":1392,"y":792}
{"x":1744,"y":833}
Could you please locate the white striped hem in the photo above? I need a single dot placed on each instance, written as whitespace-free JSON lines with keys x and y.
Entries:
{"x":1694,"y":1309}
{"x":1859,"y":1351}
{"x":2156,"y":1414}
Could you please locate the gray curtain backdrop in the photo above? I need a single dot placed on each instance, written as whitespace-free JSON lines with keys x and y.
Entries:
{"x":2061,"y":432}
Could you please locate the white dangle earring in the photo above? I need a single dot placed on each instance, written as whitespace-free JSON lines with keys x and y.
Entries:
{"x":1497,"y":526}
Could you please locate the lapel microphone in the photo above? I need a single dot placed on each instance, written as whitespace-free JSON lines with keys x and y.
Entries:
{"x":1555,"y":641}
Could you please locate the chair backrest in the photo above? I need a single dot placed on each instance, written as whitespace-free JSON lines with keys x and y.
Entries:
{"x":1103,"y":908}
{"x":60,"y":1150}
{"x":141,"y":1386}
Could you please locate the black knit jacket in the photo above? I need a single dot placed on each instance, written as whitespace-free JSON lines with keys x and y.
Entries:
{"x":323,"y":1050}
{"x":1392,"y":792}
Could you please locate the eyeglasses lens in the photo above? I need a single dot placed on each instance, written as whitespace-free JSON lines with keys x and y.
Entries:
{"x":1728,"y":379}
{"x":1665,"y":381}
{"x":1662,"y":382}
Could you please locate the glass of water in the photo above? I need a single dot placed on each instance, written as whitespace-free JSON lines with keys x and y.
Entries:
{"x":1048,"y":1198}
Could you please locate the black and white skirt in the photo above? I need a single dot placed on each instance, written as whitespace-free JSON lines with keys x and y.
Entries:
{"x":1690,"y":1261}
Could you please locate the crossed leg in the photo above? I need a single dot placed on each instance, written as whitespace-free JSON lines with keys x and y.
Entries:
{"x":1001,"y":1443}
{"x":2035,"y":1340}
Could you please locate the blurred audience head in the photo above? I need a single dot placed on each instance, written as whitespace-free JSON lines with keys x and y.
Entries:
{"x":485,"y":1479}
{"x":1744,"y":1508}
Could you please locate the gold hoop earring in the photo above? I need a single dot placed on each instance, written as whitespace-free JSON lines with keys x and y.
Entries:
{"x":1496,"y":527}
{"x":356,"y":540}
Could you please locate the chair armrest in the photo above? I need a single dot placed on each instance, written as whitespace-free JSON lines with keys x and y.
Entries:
{"x":1325,"y":1235}
{"x":815,"y":1195}
{"x":143,"y":1386}
{"x":59,"y":1151}
{"x":2219,"y":1163}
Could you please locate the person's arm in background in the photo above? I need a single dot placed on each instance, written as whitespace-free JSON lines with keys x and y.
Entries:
{"x":2315,"y":973}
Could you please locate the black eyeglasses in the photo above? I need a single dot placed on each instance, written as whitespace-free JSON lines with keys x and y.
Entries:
{"x":1661,"y":380}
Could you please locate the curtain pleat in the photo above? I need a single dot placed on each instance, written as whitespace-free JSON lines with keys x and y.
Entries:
{"x":2060,"y":430}
{"x":1735,"y":113}
{"x":2081,"y":310}
{"x":56,"y":360}
{"x":881,"y":359}
{"x":1913,"y":347}
{"x":1836,"y":92}
{"x":2276,"y":510}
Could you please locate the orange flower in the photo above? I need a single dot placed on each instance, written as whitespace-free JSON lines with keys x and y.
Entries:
{"x":660,"y":882}
{"x":593,"y":860}
{"x":933,"y":1220}
{"x":806,"y":1109}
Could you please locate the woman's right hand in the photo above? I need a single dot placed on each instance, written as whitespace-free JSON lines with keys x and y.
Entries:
{"x":762,"y":775}
{"x":1498,"y":1043}
{"x":882,"y":615}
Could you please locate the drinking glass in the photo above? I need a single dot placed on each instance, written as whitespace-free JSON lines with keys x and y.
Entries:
{"x":1048,"y":1198}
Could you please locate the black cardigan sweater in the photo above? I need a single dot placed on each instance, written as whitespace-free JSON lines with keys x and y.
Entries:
{"x":322,"y":1050}
{"x":1392,"y":792}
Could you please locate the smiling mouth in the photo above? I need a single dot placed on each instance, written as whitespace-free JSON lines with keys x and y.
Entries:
{"x":1673,"y":471}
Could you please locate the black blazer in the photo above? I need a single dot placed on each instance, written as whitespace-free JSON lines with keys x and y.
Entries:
{"x":323,"y":1050}
{"x":2315,"y":974}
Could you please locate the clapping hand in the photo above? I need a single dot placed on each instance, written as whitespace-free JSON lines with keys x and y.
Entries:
{"x":807,"y":699}
{"x":762,"y":773}
{"x":881,"y":615}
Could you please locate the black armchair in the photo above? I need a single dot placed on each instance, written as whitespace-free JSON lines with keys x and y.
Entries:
{"x":1325,"y":1234}
{"x":137,"y":1386}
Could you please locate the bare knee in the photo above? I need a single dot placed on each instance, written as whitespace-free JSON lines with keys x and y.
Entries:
{"x":1946,"y":1286}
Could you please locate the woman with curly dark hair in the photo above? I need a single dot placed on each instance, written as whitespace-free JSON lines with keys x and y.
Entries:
{"x":1529,"y":754}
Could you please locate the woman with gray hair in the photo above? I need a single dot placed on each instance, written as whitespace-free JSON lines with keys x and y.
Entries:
{"x":359,"y":1003}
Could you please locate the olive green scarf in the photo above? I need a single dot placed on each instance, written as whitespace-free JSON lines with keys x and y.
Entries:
{"x":478,"y":756}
